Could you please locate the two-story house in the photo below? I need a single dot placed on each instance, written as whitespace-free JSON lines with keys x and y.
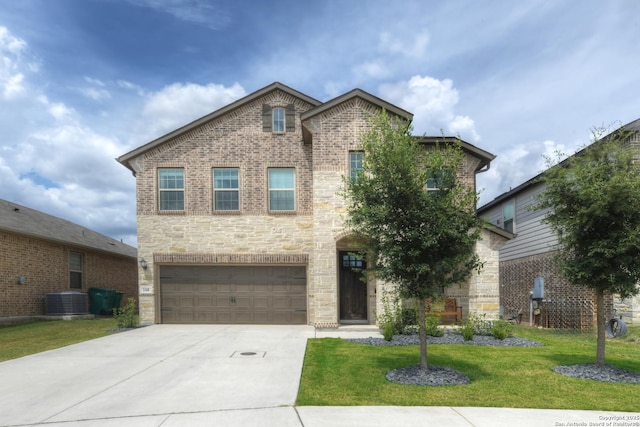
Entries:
{"x":240,"y":218}
{"x":530,"y":256}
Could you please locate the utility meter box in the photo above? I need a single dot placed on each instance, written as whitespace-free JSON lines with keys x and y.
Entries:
{"x":538,"y":288}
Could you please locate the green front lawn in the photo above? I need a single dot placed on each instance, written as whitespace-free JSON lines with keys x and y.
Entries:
{"x":29,"y":338}
{"x":340,"y":373}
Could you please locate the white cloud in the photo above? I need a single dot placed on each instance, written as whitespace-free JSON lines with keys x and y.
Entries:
{"x":179,"y":104}
{"x":11,"y":75}
{"x":415,"y":48}
{"x":433,"y":103}
{"x":518,"y":164}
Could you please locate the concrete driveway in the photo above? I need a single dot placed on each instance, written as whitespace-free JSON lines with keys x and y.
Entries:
{"x":197,"y":375}
{"x":157,"y":371}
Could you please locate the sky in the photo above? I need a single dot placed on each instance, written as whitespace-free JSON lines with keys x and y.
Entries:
{"x":84,"y":81}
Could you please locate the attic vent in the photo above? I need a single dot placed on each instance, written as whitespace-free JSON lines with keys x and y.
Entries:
{"x":69,"y":302}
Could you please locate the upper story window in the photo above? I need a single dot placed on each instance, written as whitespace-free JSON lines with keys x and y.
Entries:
{"x":226,"y":189}
{"x":440,"y":179}
{"x":171,"y":189}
{"x":75,"y":270}
{"x":355,"y":164}
{"x":508,"y":215}
{"x":281,"y":189}
{"x":278,"y":119}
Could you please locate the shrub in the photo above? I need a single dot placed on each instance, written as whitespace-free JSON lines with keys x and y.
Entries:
{"x":392,"y":312}
{"x":501,"y":329}
{"x":467,"y":332}
{"x":431,"y":325}
{"x":388,"y":331}
{"x":409,"y":317}
{"x":127,"y":316}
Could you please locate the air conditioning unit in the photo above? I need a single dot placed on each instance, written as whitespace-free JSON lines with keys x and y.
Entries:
{"x":69,"y":302}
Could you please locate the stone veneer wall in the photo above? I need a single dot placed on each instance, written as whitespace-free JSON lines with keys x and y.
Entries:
{"x":480,"y":295}
{"x":239,"y":234}
{"x":335,"y":133}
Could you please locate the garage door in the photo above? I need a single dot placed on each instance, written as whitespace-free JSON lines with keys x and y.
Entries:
{"x":233,"y":295}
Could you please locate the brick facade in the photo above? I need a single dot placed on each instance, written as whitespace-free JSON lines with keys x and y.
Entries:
{"x":317,"y":147}
{"x":45,"y":267}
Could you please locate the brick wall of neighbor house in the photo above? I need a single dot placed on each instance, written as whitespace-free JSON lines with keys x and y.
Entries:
{"x":45,"y":266}
{"x":567,"y":306}
{"x":233,"y":140}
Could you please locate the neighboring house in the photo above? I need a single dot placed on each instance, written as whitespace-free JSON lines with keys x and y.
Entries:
{"x":240,"y":218}
{"x":530,"y":255}
{"x":42,"y":254}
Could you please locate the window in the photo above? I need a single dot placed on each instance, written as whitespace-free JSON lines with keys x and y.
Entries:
{"x":171,"y":186}
{"x":75,"y":270}
{"x":355,"y":164}
{"x":281,"y":189}
{"x":352,"y":261}
{"x":440,"y":179}
{"x":507,"y":215}
{"x":278,"y":120}
{"x":226,"y":189}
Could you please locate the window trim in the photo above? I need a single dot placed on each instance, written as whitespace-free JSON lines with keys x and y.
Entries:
{"x":277,"y":120}
{"x":353,"y":172}
{"x":80,"y":271}
{"x":512,"y":219}
{"x":436,"y":178}
{"x":282,"y":190}
{"x":225,"y":190}
{"x":171,"y":190}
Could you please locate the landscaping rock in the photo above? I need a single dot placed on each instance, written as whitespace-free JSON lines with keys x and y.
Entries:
{"x":434,"y":376}
{"x":592,"y":371}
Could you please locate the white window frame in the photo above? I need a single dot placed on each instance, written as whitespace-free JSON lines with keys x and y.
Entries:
{"x":227,"y":190}
{"x":356,"y":159}
{"x":279,"y":120}
{"x":162,"y":190}
{"x":272,"y":191}
{"x":434,"y":178}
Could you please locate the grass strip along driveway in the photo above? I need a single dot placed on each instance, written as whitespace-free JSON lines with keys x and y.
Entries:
{"x":34,"y":337}
{"x":341,"y":373}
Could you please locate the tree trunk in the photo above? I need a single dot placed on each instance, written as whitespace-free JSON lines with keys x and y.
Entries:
{"x":422,"y":330}
{"x":601,"y":326}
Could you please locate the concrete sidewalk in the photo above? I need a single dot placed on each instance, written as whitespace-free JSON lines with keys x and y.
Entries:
{"x":192,"y":375}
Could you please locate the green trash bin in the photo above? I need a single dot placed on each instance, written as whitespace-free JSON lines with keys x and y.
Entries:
{"x":102,"y":300}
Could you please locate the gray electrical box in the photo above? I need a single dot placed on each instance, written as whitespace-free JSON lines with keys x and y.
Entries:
{"x":538,"y":288}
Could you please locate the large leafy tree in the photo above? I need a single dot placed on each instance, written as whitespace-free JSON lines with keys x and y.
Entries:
{"x":593,"y":202}
{"x":416,"y":218}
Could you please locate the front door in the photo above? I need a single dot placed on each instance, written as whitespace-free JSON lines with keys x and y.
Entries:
{"x":353,"y":290}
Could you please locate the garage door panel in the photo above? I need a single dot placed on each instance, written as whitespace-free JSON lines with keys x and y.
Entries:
{"x":242,"y":294}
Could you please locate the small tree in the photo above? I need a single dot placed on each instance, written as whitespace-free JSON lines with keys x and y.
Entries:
{"x":593,"y":198}
{"x":417,"y":219}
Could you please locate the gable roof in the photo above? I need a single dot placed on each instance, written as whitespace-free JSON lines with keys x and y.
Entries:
{"x":124,"y":159}
{"x":19,"y":219}
{"x":484,"y":156}
{"x":356,"y":93}
{"x":634,"y":127}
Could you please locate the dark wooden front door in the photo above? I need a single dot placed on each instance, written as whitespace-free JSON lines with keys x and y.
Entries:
{"x":353,"y":290}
